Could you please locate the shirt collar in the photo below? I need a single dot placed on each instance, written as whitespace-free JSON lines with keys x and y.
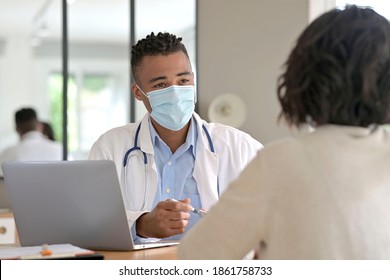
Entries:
{"x":33,"y":134}
{"x":190,"y":143}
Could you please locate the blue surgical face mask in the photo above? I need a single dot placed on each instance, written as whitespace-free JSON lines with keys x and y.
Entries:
{"x":172,"y":107}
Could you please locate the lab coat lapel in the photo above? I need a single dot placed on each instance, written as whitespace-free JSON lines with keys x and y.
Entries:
{"x":205,"y":169}
{"x":206,"y":176}
{"x":146,"y":145}
{"x":145,"y":141}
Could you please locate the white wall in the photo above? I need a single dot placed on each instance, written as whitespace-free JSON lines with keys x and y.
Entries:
{"x":317,"y":7}
{"x":242,"y":46}
{"x":17,"y":85}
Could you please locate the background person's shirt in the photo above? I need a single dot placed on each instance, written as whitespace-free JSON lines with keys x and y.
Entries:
{"x":32,"y":146}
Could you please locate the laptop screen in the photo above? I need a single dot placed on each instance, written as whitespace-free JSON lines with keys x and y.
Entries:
{"x":76,"y":202}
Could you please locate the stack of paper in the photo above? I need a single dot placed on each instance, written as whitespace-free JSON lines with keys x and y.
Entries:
{"x":57,"y":251}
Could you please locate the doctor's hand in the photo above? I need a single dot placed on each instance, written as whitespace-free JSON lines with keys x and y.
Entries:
{"x":166,"y":219}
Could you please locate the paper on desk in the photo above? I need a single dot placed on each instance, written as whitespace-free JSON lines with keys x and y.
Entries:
{"x":31,"y":251}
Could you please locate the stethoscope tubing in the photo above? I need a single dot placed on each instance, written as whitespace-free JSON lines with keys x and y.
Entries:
{"x":136,"y":147}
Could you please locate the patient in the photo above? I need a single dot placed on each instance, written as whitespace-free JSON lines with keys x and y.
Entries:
{"x":324,"y":194}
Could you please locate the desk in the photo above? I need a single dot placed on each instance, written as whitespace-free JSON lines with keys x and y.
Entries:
{"x":163,"y":253}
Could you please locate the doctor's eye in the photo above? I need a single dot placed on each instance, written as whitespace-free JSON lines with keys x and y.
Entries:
{"x":184,"y":81}
{"x":160,"y":85}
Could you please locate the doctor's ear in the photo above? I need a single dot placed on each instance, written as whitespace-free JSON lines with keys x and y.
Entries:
{"x":136,"y":91}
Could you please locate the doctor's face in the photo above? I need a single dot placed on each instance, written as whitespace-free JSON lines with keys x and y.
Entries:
{"x":161,"y":71}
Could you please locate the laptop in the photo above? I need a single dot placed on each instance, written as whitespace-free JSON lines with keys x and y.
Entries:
{"x":5,"y":204}
{"x":76,"y":202}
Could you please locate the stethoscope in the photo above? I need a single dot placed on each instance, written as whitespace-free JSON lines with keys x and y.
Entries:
{"x":131,"y":152}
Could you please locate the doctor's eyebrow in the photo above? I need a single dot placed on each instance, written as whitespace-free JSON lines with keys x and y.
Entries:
{"x":157,"y":79}
{"x":184,"y":74}
{"x":187,"y":73}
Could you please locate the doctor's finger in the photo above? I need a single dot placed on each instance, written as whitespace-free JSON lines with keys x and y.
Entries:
{"x":174,"y":205}
{"x":162,"y":214}
{"x":178,"y":224}
{"x":178,"y":215}
{"x":186,"y":200}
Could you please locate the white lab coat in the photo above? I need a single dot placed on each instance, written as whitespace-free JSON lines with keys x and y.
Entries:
{"x":234,"y":150}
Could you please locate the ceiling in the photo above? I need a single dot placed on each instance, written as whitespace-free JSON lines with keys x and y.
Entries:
{"x":92,"y":20}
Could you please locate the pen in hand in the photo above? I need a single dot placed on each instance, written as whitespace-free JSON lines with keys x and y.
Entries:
{"x":199,"y":212}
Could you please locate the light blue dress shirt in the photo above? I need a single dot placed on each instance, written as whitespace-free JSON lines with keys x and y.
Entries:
{"x":175,"y":171}
{"x":175,"y":179}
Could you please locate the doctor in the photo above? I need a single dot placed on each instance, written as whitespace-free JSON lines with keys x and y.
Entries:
{"x":171,"y":161}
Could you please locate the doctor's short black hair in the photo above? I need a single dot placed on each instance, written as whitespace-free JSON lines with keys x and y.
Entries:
{"x":339,"y":71}
{"x":153,"y":45}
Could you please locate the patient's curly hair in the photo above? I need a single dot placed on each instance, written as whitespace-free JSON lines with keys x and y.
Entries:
{"x":339,"y":71}
{"x":152,"y":45}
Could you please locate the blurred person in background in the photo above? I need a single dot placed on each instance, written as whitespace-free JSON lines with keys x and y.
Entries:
{"x":33,"y":144}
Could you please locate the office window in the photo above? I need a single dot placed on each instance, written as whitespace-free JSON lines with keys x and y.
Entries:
{"x":99,"y":105}
{"x":54,"y":89}
{"x":95,"y":104}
